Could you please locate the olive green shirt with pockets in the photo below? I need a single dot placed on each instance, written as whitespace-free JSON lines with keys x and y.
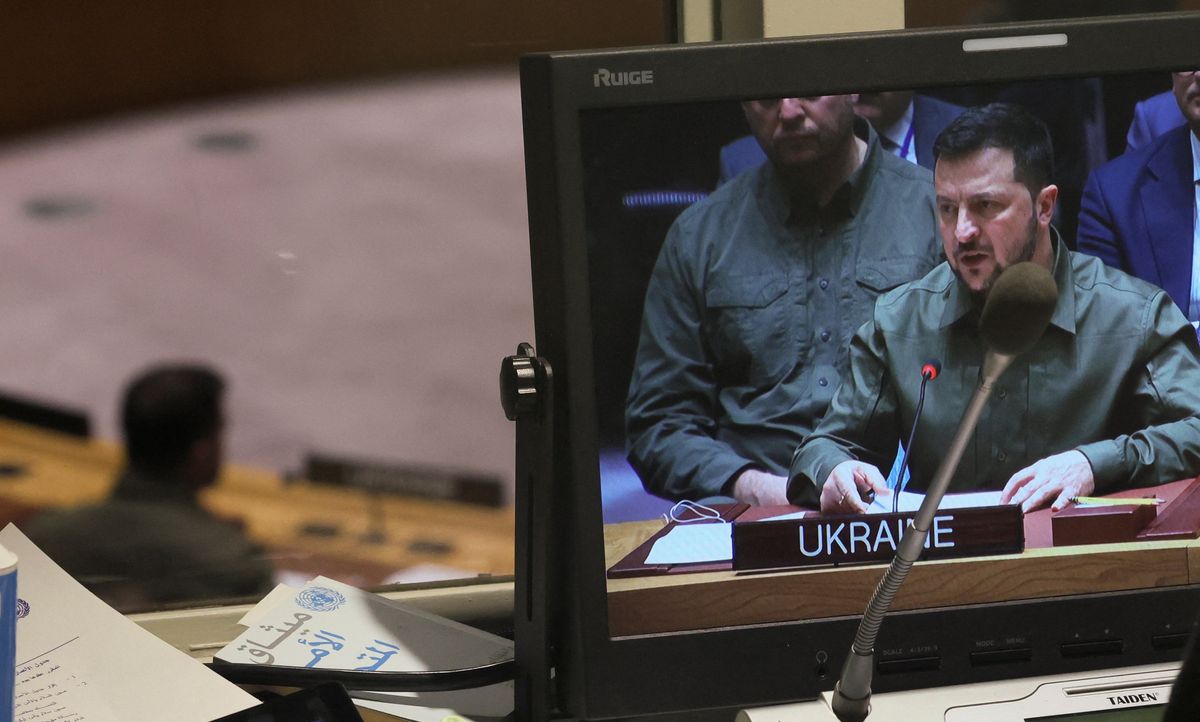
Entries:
{"x":1116,"y":375}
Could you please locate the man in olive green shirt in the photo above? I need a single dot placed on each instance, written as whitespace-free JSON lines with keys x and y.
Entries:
{"x":1107,"y":398}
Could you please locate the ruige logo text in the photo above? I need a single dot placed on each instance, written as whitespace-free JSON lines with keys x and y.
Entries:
{"x":607,"y":78}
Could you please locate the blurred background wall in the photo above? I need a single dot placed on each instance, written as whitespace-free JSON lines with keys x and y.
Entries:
{"x":325,"y":200}
{"x":64,"y":60}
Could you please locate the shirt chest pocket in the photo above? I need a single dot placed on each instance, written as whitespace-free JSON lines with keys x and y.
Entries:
{"x":750,"y":327}
{"x":878,"y":276}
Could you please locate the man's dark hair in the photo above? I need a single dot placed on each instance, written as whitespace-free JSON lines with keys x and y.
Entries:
{"x":165,"y":410}
{"x":1007,"y":127}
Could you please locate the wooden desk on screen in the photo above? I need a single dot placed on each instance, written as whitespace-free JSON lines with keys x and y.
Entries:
{"x":52,"y":470}
{"x":705,"y":600}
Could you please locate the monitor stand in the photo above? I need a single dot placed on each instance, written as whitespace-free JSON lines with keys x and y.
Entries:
{"x":527,"y":395}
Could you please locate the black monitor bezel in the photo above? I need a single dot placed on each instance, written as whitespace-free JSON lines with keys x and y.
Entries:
{"x":599,"y":677}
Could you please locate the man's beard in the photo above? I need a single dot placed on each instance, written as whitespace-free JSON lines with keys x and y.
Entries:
{"x":1025,"y":254}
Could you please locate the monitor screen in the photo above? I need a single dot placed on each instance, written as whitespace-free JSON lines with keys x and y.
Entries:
{"x":619,"y":144}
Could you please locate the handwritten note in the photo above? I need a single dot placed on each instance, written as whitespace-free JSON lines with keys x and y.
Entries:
{"x":52,"y":686}
{"x":330,"y":625}
{"x":79,"y":660}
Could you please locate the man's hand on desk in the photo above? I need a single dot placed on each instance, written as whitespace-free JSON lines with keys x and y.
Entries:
{"x":758,"y":488}
{"x":1057,"y":477}
{"x":848,"y":484}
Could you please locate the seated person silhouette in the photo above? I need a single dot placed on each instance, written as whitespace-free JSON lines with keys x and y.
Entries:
{"x":151,"y":543}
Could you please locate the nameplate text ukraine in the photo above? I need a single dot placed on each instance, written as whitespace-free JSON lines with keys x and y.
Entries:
{"x":822,"y":540}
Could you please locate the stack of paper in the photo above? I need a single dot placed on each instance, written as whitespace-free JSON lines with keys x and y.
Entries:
{"x":911,"y":501}
{"x":79,"y":660}
{"x":330,"y":625}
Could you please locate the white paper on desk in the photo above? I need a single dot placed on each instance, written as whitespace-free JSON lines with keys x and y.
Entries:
{"x":788,"y":517}
{"x":693,"y":543}
{"x":281,"y":594}
{"x":330,"y":625}
{"x":485,"y":704}
{"x":911,"y":501}
{"x":79,"y":660}
{"x":55,"y":687}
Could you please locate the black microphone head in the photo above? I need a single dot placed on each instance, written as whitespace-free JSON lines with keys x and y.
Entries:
{"x":930,"y":368}
{"x":1018,"y":308}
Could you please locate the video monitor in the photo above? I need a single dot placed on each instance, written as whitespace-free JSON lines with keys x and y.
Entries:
{"x":618,"y":144}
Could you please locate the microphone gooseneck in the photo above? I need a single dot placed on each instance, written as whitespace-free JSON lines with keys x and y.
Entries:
{"x":929,"y":371}
{"x":1015,"y":315}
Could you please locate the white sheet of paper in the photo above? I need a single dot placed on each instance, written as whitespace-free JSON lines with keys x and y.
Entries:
{"x":281,"y":594}
{"x":911,"y":501}
{"x":485,"y":704}
{"x":692,"y":543}
{"x":366,"y":630}
{"x":789,"y":516}
{"x":79,"y":660}
{"x":330,"y":625}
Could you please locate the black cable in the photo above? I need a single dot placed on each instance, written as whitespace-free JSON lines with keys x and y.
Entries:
{"x":912,"y":436}
{"x":435,"y":681}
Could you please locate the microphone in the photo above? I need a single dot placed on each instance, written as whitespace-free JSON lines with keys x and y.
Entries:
{"x":929,"y":371}
{"x":1015,"y":315}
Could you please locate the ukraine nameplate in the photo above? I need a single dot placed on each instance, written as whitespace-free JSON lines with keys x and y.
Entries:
{"x":819,"y":540}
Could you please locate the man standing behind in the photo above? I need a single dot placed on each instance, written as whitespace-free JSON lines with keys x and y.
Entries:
{"x":907,"y":124}
{"x":755,"y":294}
{"x":1108,"y":397}
{"x":1139,"y":210}
{"x":151,"y":542}
{"x":1151,"y":118}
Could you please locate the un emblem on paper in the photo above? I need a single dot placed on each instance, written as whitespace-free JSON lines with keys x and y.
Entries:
{"x":22,"y":608}
{"x":320,"y":599}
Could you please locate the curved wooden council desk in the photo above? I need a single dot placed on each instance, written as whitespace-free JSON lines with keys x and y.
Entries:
{"x":706,"y":600}
{"x":307,"y":528}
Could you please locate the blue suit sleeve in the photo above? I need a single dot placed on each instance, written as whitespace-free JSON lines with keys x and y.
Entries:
{"x":1140,"y":133}
{"x":1097,"y":232}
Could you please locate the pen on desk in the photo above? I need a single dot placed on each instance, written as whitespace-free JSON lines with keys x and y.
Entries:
{"x":1116,"y":501}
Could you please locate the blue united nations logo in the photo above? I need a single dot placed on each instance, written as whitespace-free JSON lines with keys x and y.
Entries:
{"x":320,"y":599}
{"x":22,"y":608}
